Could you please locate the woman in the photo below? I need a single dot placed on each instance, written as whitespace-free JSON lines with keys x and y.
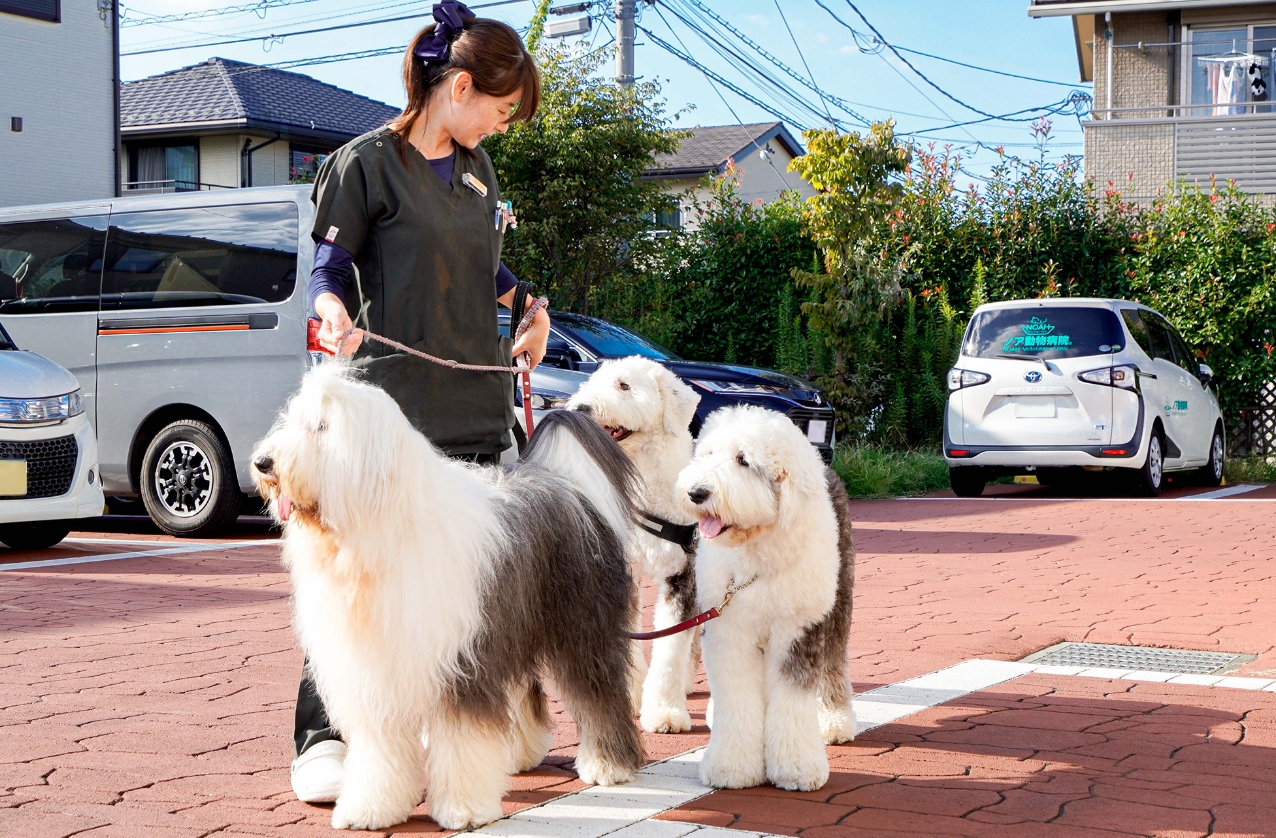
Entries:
{"x":415,"y":207}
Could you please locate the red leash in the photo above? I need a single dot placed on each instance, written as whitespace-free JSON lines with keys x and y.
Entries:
{"x":698,"y":620}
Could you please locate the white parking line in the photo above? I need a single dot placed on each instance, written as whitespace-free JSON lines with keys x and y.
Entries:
{"x":1217,"y":496}
{"x":139,"y":554}
{"x":628,"y":810}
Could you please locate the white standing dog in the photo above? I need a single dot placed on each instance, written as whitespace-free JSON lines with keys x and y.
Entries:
{"x":430,"y":596}
{"x":776,"y":540}
{"x":648,"y":410}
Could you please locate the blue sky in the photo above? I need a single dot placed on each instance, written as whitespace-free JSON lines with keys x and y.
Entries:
{"x":992,"y":33}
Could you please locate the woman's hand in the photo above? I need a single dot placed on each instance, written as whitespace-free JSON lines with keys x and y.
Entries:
{"x":535,"y":339}
{"x":336,"y":322}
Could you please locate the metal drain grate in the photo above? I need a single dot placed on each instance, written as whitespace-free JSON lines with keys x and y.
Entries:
{"x":1138,"y":658}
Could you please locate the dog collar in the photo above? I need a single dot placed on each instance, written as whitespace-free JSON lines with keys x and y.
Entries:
{"x":684,"y":535}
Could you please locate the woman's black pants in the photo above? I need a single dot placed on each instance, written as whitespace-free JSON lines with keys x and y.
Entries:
{"x":310,"y":725}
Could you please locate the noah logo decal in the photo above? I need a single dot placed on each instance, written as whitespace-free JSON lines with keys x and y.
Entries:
{"x":1032,"y":377}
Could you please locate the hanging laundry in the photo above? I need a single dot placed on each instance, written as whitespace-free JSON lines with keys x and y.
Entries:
{"x":1257,"y":86}
{"x":1231,"y":88}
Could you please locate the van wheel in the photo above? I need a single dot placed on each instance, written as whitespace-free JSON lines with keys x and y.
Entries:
{"x":1211,"y":474}
{"x":34,"y":535}
{"x":188,"y":480}
{"x":1149,"y":479}
{"x":967,"y":481}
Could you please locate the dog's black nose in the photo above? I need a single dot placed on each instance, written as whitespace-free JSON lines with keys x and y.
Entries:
{"x":264,"y":464}
{"x":699,"y":494}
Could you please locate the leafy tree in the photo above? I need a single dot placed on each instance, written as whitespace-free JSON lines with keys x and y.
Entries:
{"x":587,"y":218}
{"x":728,"y":276}
{"x":857,"y":178}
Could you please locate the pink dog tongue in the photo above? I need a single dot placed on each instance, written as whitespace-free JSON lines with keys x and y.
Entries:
{"x":710,"y":526}
{"x":285,"y":507}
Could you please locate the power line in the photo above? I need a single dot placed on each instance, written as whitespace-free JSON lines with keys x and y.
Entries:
{"x":128,"y":17}
{"x":843,"y":104}
{"x":988,"y":69}
{"x":804,"y":64}
{"x":879,"y":39}
{"x":766,"y":81}
{"x":281,"y":35}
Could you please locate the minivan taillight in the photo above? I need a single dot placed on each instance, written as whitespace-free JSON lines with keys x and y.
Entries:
{"x":957,"y":379}
{"x":312,"y":337}
{"x":1125,"y":376}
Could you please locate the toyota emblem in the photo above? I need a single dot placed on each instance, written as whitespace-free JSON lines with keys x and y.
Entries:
{"x":1032,"y":377}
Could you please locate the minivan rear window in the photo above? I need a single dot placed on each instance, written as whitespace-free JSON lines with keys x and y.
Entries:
{"x":1044,"y":332}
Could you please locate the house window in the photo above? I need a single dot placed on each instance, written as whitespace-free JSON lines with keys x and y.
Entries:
{"x":49,"y":10}
{"x":304,"y":163}
{"x":163,"y":167}
{"x":1230,"y":70}
{"x":671,"y":220}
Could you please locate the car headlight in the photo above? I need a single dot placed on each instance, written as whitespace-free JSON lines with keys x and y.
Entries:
{"x":35,"y":411}
{"x":1125,"y":376}
{"x":736,"y":388}
{"x":957,"y":379}
{"x":542,"y":401}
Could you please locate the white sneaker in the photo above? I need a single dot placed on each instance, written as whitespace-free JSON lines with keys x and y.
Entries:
{"x":317,"y":774}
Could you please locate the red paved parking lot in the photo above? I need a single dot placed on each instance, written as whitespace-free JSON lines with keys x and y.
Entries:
{"x":153,"y":696}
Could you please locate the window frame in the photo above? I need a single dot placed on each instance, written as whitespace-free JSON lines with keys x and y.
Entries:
{"x":11,"y":9}
{"x":134,"y":146}
{"x":1188,"y":64}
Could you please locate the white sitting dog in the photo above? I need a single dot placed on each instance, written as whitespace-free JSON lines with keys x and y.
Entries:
{"x":429,"y":596}
{"x":776,"y":541}
{"x":648,"y":410}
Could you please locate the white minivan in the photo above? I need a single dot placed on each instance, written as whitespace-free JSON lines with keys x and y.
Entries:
{"x":1052,"y":387}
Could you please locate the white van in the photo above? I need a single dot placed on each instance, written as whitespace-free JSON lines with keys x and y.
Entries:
{"x":1050,"y":387}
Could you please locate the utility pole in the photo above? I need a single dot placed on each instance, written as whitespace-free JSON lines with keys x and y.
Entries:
{"x":626,"y":34}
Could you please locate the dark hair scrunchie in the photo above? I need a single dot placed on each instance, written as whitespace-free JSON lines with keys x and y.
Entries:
{"x":451,"y":17}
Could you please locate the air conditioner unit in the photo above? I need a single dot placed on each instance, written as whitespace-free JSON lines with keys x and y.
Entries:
{"x":568,"y":27}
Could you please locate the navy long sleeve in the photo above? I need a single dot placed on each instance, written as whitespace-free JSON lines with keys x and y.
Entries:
{"x":334,"y":265}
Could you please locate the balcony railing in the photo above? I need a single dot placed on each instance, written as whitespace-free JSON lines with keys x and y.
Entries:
{"x":158,"y":187}
{"x":1239,"y":148}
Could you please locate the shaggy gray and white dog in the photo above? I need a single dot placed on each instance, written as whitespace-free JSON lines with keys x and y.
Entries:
{"x":648,"y":410}
{"x":432,"y":596}
{"x":776,"y":532}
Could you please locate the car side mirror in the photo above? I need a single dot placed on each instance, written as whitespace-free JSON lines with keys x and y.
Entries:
{"x":1206,"y":374}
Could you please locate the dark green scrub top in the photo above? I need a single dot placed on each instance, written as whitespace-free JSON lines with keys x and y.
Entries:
{"x":426,"y":255}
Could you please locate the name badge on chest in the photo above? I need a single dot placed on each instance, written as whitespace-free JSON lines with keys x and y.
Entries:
{"x":474,"y":183}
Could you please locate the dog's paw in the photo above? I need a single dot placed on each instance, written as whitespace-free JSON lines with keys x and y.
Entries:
{"x":803,"y":775}
{"x":366,"y":814}
{"x":665,"y":719}
{"x":719,"y":772}
{"x":451,"y":814}
{"x":600,"y":772}
{"x":837,"y":725}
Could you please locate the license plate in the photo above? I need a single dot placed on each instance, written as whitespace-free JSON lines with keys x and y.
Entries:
{"x":1035,"y":407}
{"x":13,"y":478}
{"x":816,"y":430}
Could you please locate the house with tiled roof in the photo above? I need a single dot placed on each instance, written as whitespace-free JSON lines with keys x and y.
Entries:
{"x":761,"y":152}
{"x":226,"y":124}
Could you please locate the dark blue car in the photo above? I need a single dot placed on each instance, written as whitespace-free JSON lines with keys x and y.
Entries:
{"x":581,"y":343}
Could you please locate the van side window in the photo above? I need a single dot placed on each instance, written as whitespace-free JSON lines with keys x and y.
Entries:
{"x":51,"y":266}
{"x":1138,"y":329}
{"x":201,"y":256}
{"x":1159,"y":337}
{"x":1186,"y":357}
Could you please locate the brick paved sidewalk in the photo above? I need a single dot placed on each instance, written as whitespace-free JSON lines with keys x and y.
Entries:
{"x":153,"y":696}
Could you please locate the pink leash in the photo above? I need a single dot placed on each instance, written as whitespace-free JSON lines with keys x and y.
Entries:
{"x":524,"y":369}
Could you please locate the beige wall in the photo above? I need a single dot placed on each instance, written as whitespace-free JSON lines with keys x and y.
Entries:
{"x":59,"y":78}
{"x":1136,"y":160}
{"x":270,"y":164}
{"x":219,"y":159}
{"x":760,"y":179}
